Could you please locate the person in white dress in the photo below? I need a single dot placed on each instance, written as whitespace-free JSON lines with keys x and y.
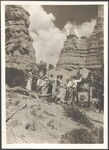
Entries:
{"x":55,"y":89}
{"x":29,"y":82}
{"x":61,"y":90}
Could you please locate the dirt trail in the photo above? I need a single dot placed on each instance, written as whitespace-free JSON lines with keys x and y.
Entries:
{"x":34,"y":120}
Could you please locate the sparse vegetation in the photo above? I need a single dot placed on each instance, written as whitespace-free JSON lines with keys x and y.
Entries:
{"x":16,"y":102}
{"x":98,"y":87}
{"x":78,"y":116}
{"x":33,"y":112}
{"x":50,"y":67}
{"x":51,"y":124}
{"x":83,"y":136}
{"x":27,"y":126}
{"x":42,"y":65}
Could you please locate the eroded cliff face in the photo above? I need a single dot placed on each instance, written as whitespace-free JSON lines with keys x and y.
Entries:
{"x":94,"y":58}
{"x":73,"y":54}
{"x":84,"y":52}
{"x":20,"y":54}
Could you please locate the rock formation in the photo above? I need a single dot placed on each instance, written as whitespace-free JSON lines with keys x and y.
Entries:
{"x":31,"y":120}
{"x":74,"y":52}
{"x":96,"y":47}
{"x":83,"y":52}
{"x":20,"y":54}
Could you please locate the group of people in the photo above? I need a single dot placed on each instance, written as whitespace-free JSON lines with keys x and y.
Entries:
{"x":61,"y":91}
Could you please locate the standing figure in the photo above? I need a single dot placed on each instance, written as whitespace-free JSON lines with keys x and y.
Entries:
{"x":29,"y":82}
{"x":34,"y":81}
{"x":55,"y":89}
{"x":61,"y":91}
{"x":50,"y":84}
{"x":72,"y":85}
{"x":40,"y":83}
{"x":67,"y":91}
{"x":44,"y":86}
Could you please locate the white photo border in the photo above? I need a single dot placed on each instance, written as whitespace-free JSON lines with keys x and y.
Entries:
{"x":55,"y":146}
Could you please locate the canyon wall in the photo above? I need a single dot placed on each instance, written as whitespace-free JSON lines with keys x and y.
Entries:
{"x":20,"y":54}
{"x":84,"y":52}
{"x":95,"y":54}
{"x":74,"y":52}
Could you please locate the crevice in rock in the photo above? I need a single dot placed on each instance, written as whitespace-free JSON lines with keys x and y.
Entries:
{"x":23,"y":107}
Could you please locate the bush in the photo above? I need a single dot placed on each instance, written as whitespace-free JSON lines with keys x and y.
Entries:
{"x":50,"y":67}
{"x":83,"y":136}
{"x":41,"y":66}
{"x":98,"y":87}
{"x":78,"y":116}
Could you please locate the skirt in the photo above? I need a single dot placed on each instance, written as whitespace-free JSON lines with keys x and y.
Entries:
{"x":29,"y":84}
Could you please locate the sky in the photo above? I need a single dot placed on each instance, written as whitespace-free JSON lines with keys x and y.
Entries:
{"x":49,"y":27}
{"x":77,"y":13}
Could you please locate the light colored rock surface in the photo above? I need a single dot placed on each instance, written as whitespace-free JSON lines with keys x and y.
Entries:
{"x":73,"y":55}
{"x":96,"y":46}
{"x":34,"y":120}
{"x":20,"y":54}
{"x":79,"y":52}
{"x":19,"y":48}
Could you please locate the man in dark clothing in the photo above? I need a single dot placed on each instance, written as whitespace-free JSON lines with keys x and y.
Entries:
{"x":50,"y":85}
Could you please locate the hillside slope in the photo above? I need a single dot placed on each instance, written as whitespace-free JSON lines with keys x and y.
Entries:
{"x":30,"y":119}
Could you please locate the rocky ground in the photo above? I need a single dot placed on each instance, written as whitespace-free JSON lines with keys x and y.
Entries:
{"x":30,"y":119}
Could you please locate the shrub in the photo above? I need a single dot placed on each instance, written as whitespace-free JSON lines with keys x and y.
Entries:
{"x":83,"y":136}
{"x":78,"y":116}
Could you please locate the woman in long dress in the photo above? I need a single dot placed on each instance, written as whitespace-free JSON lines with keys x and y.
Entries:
{"x":62,"y":90}
{"x":55,"y":88}
{"x":29,"y":82}
{"x":67,"y":94}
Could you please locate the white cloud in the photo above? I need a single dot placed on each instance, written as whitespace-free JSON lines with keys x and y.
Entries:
{"x":39,"y":19}
{"x":48,"y":45}
{"x":48,"y":39}
{"x":85,"y":29}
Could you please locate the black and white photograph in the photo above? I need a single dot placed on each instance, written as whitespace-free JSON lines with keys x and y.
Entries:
{"x":54,"y":77}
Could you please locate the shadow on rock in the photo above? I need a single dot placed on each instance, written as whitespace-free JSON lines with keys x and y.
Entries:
{"x":83,"y":136}
{"x":77,"y":116}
